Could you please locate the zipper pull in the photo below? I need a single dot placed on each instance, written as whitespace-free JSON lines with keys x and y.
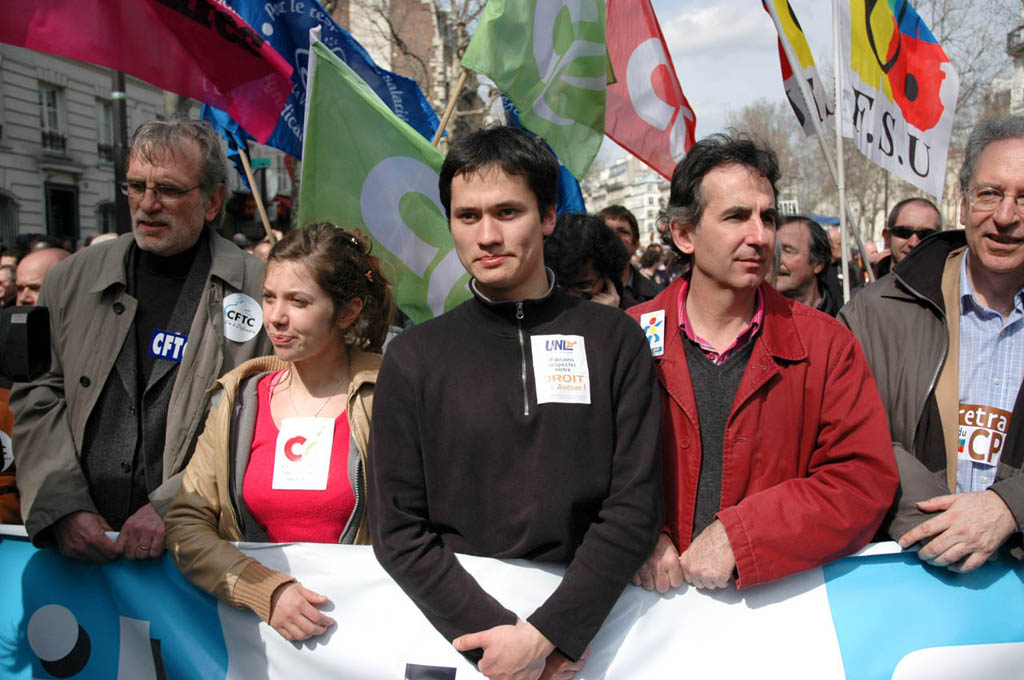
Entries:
{"x":519,"y":311}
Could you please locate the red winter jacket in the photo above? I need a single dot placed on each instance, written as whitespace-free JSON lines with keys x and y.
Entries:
{"x":808,"y":470}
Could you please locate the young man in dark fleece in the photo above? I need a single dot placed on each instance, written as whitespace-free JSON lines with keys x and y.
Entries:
{"x":522,"y":424}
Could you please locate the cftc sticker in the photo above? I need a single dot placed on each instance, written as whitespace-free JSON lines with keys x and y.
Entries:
{"x":243,"y":317}
{"x":653,"y":324}
{"x":168,"y":345}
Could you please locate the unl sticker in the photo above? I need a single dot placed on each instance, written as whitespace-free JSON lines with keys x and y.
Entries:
{"x":243,"y":317}
{"x":560,"y":369}
{"x":653,"y":324}
{"x":982,"y":433}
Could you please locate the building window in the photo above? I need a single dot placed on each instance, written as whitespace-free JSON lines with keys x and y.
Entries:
{"x":51,"y":118}
{"x":104,"y":131}
{"x":8,"y":220}
{"x":106,"y":218}
{"x":62,"y":211}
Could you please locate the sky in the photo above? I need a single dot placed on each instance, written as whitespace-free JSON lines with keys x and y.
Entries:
{"x":726,"y":53}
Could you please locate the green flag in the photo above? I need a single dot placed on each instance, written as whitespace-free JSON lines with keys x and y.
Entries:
{"x":364,"y":168}
{"x":549,"y":57}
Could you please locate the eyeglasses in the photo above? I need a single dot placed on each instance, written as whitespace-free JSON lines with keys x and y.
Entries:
{"x":165,"y":193}
{"x":985,"y":199}
{"x":906,"y":233}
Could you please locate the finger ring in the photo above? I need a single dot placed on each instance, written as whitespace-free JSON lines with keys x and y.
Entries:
{"x":143,"y":547}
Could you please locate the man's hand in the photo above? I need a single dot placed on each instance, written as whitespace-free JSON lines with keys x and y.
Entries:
{"x":293,"y":612}
{"x":516,"y":652}
{"x":142,"y":536}
{"x":82,"y":536}
{"x":709,"y":561}
{"x":969,"y":529}
{"x":662,"y":570}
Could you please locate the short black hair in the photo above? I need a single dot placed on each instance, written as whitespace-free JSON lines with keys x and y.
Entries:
{"x":821,"y":247}
{"x":579,"y":239}
{"x":621,"y":212}
{"x":894,"y":214}
{"x":686,"y":201}
{"x":514,"y":150}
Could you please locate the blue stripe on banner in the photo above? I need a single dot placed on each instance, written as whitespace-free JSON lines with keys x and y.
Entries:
{"x":45,"y":595}
{"x":882,"y":613}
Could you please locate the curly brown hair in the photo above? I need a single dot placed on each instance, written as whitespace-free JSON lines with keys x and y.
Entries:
{"x":343,"y":267}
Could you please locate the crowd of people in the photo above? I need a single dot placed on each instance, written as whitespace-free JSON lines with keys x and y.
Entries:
{"x":724,"y":430}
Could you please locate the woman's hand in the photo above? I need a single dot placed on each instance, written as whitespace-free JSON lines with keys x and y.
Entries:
{"x":294,"y":615}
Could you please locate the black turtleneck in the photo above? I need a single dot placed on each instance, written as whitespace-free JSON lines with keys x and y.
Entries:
{"x":158,"y":283}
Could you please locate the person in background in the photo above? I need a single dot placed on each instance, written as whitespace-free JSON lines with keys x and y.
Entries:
{"x":32,"y":270}
{"x":910,"y":221}
{"x":587,"y":259}
{"x":805,"y":256}
{"x":635,"y":287}
{"x":326,"y":307}
{"x":8,"y":285}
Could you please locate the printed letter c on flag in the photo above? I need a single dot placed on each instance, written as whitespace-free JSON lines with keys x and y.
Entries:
{"x":551,"y":65}
{"x":645,"y":60}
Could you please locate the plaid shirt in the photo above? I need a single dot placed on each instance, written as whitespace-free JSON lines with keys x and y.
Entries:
{"x":991,"y":369}
{"x":742,"y":339}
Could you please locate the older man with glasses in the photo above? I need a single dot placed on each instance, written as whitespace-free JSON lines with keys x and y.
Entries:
{"x":945,"y":339}
{"x":140,"y":327}
{"x":910,"y":221}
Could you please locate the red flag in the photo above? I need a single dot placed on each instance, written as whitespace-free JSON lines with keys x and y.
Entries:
{"x":647,"y":112}
{"x":197,"y":48}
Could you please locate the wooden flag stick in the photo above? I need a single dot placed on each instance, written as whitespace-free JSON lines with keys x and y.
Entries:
{"x":256,"y":196}
{"x":450,"y":109}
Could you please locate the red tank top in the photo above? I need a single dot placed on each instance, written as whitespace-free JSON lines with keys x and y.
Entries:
{"x":290,"y":515}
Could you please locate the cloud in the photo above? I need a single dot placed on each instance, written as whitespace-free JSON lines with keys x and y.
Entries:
{"x":726,"y":27}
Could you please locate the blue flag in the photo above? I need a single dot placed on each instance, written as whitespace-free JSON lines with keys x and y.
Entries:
{"x":570,"y":198}
{"x":236,"y":137}
{"x":286,"y":25}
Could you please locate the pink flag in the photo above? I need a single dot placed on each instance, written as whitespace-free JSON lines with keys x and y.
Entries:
{"x":647,"y":112}
{"x":197,"y":48}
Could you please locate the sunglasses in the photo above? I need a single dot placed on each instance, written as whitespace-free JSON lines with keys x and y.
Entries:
{"x":907,"y":232}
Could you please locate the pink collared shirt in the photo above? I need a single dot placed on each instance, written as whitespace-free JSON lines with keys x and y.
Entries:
{"x":742,"y":339}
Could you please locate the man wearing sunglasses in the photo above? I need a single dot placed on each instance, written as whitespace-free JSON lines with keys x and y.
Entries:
{"x":140,"y":327}
{"x":945,"y":339}
{"x":910,"y":221}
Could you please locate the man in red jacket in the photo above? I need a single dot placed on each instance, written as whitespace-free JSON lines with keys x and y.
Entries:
{"x":774,"y":440}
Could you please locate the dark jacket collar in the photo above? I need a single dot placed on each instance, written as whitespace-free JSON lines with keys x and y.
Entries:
{"x":500,"y":317}
{"x":920,"y":272}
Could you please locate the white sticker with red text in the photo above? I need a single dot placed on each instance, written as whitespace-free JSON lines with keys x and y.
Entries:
{"x":560,"y":369}
{"x":302,"y":457}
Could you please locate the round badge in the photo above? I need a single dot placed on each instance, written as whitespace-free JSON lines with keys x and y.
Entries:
{"x":243,"y":317}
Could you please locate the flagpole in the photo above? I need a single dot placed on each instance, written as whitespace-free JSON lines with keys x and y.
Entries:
{"x":841,"y":176}
{"x":819,"y":132}
{"x":450,"y":109}
{"x":256,"y":196}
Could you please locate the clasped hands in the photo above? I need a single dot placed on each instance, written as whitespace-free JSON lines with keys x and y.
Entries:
{"x":518,"y":652}
{"x":708,"y":562}
{"x":82,"y":536}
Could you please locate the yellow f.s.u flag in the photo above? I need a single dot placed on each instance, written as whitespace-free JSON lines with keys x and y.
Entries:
{"x":899,"y":90}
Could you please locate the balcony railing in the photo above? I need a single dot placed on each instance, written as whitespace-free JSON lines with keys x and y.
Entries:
{"x":54,"y":141}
